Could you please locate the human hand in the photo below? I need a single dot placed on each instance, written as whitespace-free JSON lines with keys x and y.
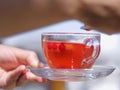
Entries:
{"x":13,"y":71}
{"x":102,"y":15}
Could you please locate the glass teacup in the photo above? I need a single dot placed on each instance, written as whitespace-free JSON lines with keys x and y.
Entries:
{"x":70,"y":50}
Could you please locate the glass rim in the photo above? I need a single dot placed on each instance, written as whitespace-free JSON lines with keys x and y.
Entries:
{"x":71,"y":33}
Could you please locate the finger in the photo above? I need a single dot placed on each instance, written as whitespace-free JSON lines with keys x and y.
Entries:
{"x":32,"y":77}
{"x":33,"y":61}
{"x":29,"y":77}
{"x":12,"y":76}
{"x":87,"y":27}
{"x":22,"y":80}
{"x":27,"y":57}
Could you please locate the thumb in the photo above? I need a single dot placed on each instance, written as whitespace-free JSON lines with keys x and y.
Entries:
{"x":33,"y":61}
{"x":27,"y":57}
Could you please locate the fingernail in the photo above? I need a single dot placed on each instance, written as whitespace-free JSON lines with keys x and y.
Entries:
{"x":35,"y":64}
{"x":33,"y":61}
{"x":41,"y":65}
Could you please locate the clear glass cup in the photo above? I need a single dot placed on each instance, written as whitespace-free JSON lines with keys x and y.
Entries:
{"x":71,"y":57}
{"x":70,"y":50}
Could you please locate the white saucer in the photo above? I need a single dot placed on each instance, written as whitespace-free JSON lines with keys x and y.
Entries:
{"x":73,"y":74}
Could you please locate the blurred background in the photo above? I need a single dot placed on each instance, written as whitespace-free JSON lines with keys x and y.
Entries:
{"x":109,"y":56}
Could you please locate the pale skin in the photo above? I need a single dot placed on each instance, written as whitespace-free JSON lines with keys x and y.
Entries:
{"x":13,"y":70}
{"x":22,"y":15}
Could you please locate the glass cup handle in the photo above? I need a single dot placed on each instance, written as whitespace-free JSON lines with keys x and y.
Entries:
{"x":96,"y":48}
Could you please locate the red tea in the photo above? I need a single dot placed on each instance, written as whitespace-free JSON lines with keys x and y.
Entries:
{"x":69,"y":55}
